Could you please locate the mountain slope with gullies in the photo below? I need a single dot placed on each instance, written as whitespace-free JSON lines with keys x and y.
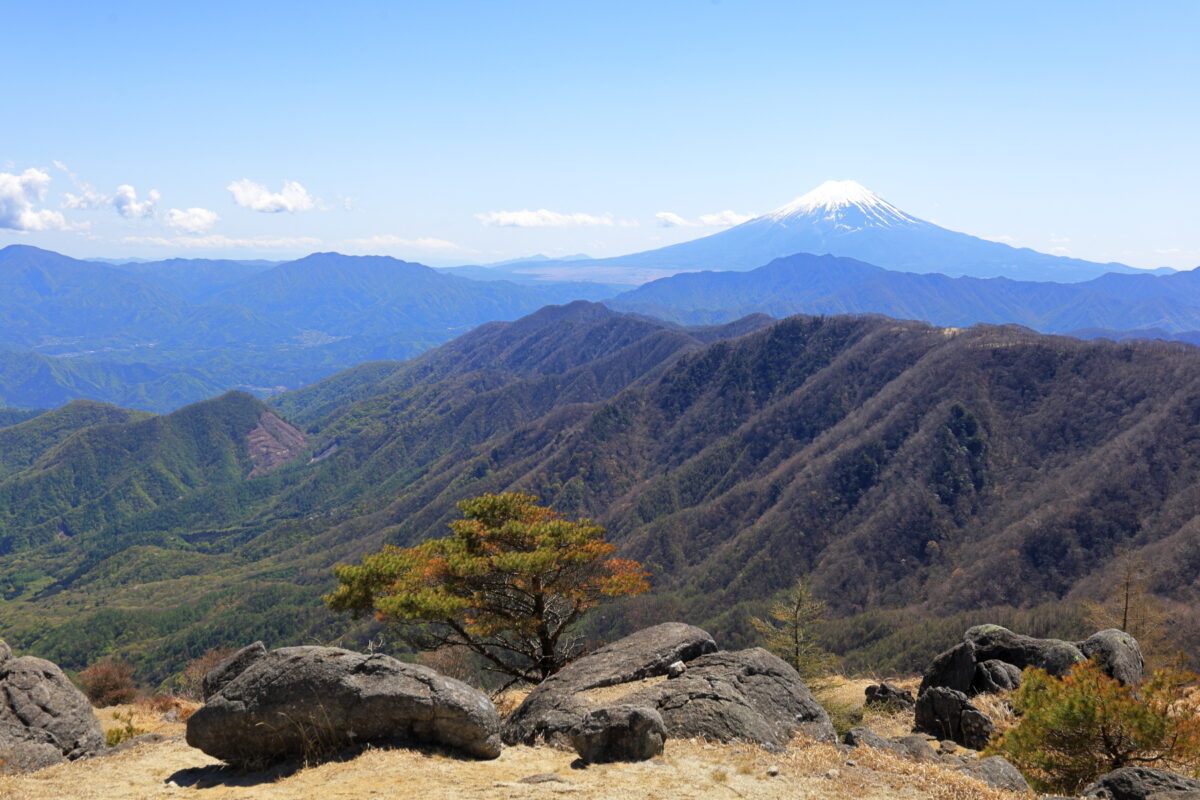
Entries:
{"x":913,"y":473}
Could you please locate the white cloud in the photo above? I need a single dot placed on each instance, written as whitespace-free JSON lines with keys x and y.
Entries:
{"x":718,"y":219}
{"x":293,"y":197}
{"x":193,"y":220}
{"x":1056,"y":239}
{"x":542,"y":219}
{"x":124,"y":199}
{"x":127,"y":205}
{"x":217,"y":240}
{"x":726,"y":218}
{"x":669,"y":219}
{"x":19,"y":194}
{"x":389,"y":240}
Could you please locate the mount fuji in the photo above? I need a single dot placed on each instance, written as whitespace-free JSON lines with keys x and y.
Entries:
{"x":841,"y":218}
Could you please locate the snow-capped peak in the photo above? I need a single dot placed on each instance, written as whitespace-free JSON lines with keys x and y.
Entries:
{"x":833,"y":199}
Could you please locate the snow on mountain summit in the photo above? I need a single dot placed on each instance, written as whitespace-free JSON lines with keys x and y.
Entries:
{"x":847,"y":204}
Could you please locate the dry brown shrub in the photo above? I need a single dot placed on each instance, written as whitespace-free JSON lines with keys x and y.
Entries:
{"x":108,"y":682}
{"x":192,"y":680}
{"x":160,"y":703}
{"x":453,"y":662}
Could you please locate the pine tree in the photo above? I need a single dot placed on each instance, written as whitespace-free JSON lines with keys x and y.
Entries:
{"x":789,"y":632}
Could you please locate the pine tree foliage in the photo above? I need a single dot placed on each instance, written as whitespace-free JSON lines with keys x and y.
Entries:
{"x":1076,"y":728}
{"x":790,"y":632}
{"x":508,"y":584}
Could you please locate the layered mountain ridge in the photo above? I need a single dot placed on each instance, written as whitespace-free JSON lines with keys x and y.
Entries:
{"x":909,"y":470}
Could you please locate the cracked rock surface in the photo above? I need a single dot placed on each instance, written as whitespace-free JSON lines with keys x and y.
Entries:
{"x":309,"y":702}
{"x":44,"y":719}
{"x":552,"y":709}
{"x":741,"y":696}
{"x":744,"y":696}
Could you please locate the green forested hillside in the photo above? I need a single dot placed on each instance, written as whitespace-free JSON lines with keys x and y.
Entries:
{"x":21,"y":444}
{"x":921,"y":477}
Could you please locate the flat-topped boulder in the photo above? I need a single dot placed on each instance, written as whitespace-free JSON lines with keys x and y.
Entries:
{"x":738,"y":696}
{"x":44,"y":719}
{"x":310,"y":702}
{"x":555,"y":706}
{"x":748,"y":695}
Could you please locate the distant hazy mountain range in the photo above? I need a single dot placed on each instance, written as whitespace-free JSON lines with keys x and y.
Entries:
{"x":841,"y":218}
{"x":156,"y":335}
{"x":1168,"y":304}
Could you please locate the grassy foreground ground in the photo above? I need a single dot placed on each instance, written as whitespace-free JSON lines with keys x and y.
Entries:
{"x":688,"y":769}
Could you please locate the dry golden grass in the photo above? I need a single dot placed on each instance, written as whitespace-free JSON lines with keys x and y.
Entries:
{"x":848,"y":695}
{"x":145,"y":718}
{"x":688,"y":770}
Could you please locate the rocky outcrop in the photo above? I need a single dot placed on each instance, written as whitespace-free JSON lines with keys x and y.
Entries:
{"x":44,"y":719}
{"x":913,"y":747}
{"x":1141,"y":783}
{"x":553,"y":708}
{"x":309,"y":702}
{"x":743,"y":696}
{"x":885,"y":695}
{"x":1117,"y":653}
{"x":949,"y":714}
{"x":990,"y":659}
{"x":748,"y":696}
{"x":619,"y":733}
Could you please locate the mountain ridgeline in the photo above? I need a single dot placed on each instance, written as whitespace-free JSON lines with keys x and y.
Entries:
{"x":1162,"y":306}
{"x":158,"y":335}
{"x":912,"y":472}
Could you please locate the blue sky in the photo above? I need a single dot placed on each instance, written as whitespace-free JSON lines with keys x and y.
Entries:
{"x":418,"y":130}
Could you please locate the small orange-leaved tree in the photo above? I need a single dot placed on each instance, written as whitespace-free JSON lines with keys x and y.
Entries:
{"x":508,"y":584}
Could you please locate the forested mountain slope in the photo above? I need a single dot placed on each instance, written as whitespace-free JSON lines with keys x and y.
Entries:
{"x":901,"y":466}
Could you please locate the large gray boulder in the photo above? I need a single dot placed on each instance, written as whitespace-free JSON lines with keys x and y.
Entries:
{"x":1117,"y":653}
{"x":25,"y":749}
{"x":553,"y":708}
{"x":949,"y":714}
{"x":1140,"y":783}
{"x":995,"y":642}
{"x":44,"y":719}
{"x":743,"y":696}
{"x":959,"y":667}
{"x":619,"y":733}
{"x":996,"y":771}
{"x":952,"y":669}
{"x":230,"y":667}
{"x":309,"y":702}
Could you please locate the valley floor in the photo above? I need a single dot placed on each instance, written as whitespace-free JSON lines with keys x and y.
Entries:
{"x":688,"y":769}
